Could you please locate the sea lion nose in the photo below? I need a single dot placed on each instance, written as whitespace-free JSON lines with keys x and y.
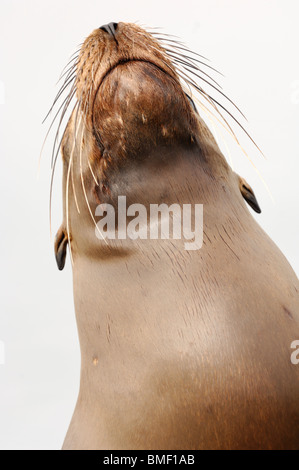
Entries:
{"x":110,"y":28}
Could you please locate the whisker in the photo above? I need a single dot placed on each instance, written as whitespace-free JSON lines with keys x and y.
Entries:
{"x":241,"y":148}
{"x":48,"y":132}
{"x":68,"y":72}
{"x":67,"y":208}
{"x":92,"y":173}
{"x":168,"y":65}
{"x":52,"y":176}
{"x":62,"y":89}
{"x":193,"y":60}
{"x":69,"y":99}
{"x":86,"y":198}
{"x":215,"y":88}
{"x":74,"y":190}
{"x":188,"y":50}
{"x":201,"y":91}
{"x":65,"y":103}
{"x":76,"y":55}
{"x":184,"y":63}
{"x":168,"y":37}
{"x":207,"y":97}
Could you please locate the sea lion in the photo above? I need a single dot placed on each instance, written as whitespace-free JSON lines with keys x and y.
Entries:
{"x":180,"y":349}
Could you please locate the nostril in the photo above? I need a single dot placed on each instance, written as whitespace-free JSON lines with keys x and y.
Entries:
{"x":110,"y":28}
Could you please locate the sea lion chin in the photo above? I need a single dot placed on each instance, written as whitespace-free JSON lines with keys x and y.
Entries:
{"x":179,"y":349}
{"x":139,"y":107}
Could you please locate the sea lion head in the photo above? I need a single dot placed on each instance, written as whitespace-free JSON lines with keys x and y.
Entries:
{"x":131,"y":115}
{"x":129,"y":97}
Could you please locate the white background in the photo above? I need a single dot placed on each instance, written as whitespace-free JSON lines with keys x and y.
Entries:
{"x":254,"y":43}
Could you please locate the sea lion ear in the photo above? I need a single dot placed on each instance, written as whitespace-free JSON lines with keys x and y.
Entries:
{"x":248,"y":195}
{"x":61,"y":241}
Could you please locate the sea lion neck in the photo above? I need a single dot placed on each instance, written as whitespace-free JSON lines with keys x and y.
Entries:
{"x":180,"y":175}
{"x":170,"y":175}
{"x":129,"y":219}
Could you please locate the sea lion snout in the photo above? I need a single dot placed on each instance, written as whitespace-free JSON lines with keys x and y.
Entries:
{"x":110,"y":28}
{"x":129,"y":98}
